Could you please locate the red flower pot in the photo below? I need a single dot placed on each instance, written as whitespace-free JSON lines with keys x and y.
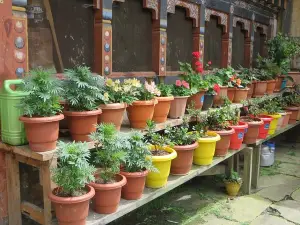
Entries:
{"x":253,"y":129}
{"x":223,"y":145}
{"x":264,"y":128}
{"x":238,"y":137}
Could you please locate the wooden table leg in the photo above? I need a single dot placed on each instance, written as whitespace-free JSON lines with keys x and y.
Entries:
{"x":13,"y":190}
{"x":230,"y":165}
{"x":237,"y":162}
{"x":247,"y":175}
{"x":256,"y":166}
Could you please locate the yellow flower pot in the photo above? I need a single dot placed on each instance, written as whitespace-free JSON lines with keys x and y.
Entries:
{"x":273,"y":124}
{"x":163,"y":164}
{"x":232,"y":188}
{"x":203,"y":155}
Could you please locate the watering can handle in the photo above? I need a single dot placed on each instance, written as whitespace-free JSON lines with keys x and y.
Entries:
{"x":7,"y":88}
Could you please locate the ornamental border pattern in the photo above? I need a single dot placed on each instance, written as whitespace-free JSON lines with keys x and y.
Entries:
{"x":264,"y":27}
{"x":193,"y":10}
{"x":223,"y":17}
{"x":246,"y":23}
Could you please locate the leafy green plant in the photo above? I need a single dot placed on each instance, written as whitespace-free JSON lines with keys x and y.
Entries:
{"x":247,"y":75}
{"x":180,"y":88}
{"x":117,"y":92}
{"x":138,"y":154}
{"x":82,"y":89}
{"x":73,"y":171}
{"x":44,"y":92}
{"x":292,"y":99}
{"x":165,"y":89}
{"x":233,"y":115}
{"x":270,"y":69}
{"x":109,"y":154}
{"x":218,"y":119}
{"x":213,"y":83}
{"x":271,"y":107}
{"x":253,"y":106}
{"x":233,"y":177}
{"x":180,"y":135}
{"x":225,"y":75}
{"x":143,"y":92}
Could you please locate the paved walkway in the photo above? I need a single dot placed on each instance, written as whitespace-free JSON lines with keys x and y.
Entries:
{"x":202,"y":201}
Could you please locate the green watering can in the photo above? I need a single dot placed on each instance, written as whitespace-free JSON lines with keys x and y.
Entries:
{"x":12,"y":130}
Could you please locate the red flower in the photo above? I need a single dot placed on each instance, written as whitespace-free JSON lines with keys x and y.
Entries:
{"x":216,"y":88}
{"x":199,"y":69}
{"x":198,"y":63}
{"x":209,"y":63}
{"x":196,"y":54}
{"x":178,"y":83}
{"x":185,"y":84}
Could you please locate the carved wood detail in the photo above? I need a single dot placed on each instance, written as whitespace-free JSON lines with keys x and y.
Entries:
{"x":246,"y":24}
{"x":193,"y":10}
{"x":223,"y":17}
{"x":264,"y":28}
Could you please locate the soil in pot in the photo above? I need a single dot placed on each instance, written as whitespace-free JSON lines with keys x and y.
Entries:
{"x":108,"y":195}
{"x":260,"y":88}
{"x":139,"y":112}
{"x":253,"y":129}
{"x":72,"y":210}
{"x":42,"y":132}
{"x":238,"y":136}
{"x":231,"y":93}
{"x":232,"y":188}
{"x":208,"y":101}
{"x":218,"y":101}
{"x":182,"y":164}
{"x":286,"y":119}
{"x":294,"y":113}
{"x":223,"y":145}
{"x":135,"y":185}
{"x":197,"y":99}
{"x":278,"y":84}
{"x":82,"y":124}
{"x":112,"y":113}
{"x":264,"y":128}
{"x":178,"y":106}
{"x":271,"y":86}
{"x":240,"y":95}
{"x":162,"y":108}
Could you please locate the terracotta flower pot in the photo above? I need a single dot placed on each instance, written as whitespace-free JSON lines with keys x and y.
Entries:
{"x":162,"y":108}
{"x":271,"y":86}
{"x":42,"y":132}
{"x":286,"y":119}
{"x":295,"y":112}
{"x":183,"y":163}
{"x":280,"y":120}
{"x":223,"y":145}
{"x":264,"y":128}
{"x":240,"y":94}
{"x":218,"y":101}
{"x":208,"y":101}
{"x":82,"y":124}
{"x":278,"y":84}
{"x":260,"y":88}
{"x":253,"y":130}
{"x":135,"y":185}
{"x":139,"y":112}
{"x":231,"y":93}
{"x":197,"y":99}
{"x":112,"y":113}
{"x":251,"y":89}
{"x":72,"y":210}
{"x":178,"y":106}
{"x":238,"y":136}
{"x":108,"y":196}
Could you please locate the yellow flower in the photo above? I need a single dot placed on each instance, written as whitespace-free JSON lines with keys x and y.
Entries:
{"x":117,"y":81}
{"x":106,"y":96}
{"x":126,"y":88}
{"x":116,"y":88}
{"x":136,"y":82}
{"x":109,"y":83}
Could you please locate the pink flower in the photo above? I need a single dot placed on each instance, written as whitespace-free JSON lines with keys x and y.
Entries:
{"x":178,"y":83}
{"x":185,"y":84}
{"x":199,"y":69}
{"x":209,"y":63}
{"x":196,"y":54}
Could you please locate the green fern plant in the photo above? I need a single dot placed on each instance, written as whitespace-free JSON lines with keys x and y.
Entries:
{"x":109,"y":154}
{"x":43,"y":94}
{"x":73,"y":171}
{"x":233,"y":177}
{"x":82,"y":89}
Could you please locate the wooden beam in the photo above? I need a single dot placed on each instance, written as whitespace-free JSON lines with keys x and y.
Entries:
{"x":247,"y":175}
{"x":33,"y":212}
{"x":46,"y":181}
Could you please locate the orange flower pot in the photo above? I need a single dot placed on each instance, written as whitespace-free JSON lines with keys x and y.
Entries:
{"x":178,"y":106}
{"x":223,"y":145}
{"x":253,"y":130}
{"x":218,"y":101}
{"x":139,"y":112}
{"x":286,"y":119}
{"x":231,"y":93}
{"x":162,"y":108}
{"x":251,"y":90}
{"x":271,"y":86}
{"x":112,"y":113}
{"x":279,"y":80}
{"x":240,"y":95}
{"x":294,"y":113}
{"x":197,"y":99}
{"x":260,"y":88}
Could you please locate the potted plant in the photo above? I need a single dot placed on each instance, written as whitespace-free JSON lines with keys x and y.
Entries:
{"x":291,"y":103}
{"x":241,"y":91}
{"x":213,"y":90}
{"x":142,"y":110}
{"x":207,"y":140}
{"x":162,"y":108}
{"x":248,"y":77}
{"x":82,"y":91}
{"x":72,"y":176}
{"x":162,"y":155}
{"x":109,"y":146}
{"x":181,"y":91}
{"x":42,"y":110}
{"x":116,"y":97}
{"x":233,"y":183}
{"x":137,"y":163}
{"x":197,"y":84}
{"x":184,"y":143}
{"x":239,"y":127}
{"x":261,"y":83}
{"x":272,"y":109}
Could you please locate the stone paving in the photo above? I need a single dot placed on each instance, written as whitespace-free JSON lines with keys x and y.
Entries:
{"x":203,"y":200}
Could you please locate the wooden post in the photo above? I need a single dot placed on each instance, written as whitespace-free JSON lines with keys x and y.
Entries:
{"x":248,"y":45}
{"x":198,"y":35}
{"x":159,"y":43}
{"x":247,"y":175}
{"x":256,"y":166}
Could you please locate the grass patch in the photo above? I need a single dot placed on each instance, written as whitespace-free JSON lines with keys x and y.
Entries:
{"x":271,"y":170}
{"x":291,"y":153}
